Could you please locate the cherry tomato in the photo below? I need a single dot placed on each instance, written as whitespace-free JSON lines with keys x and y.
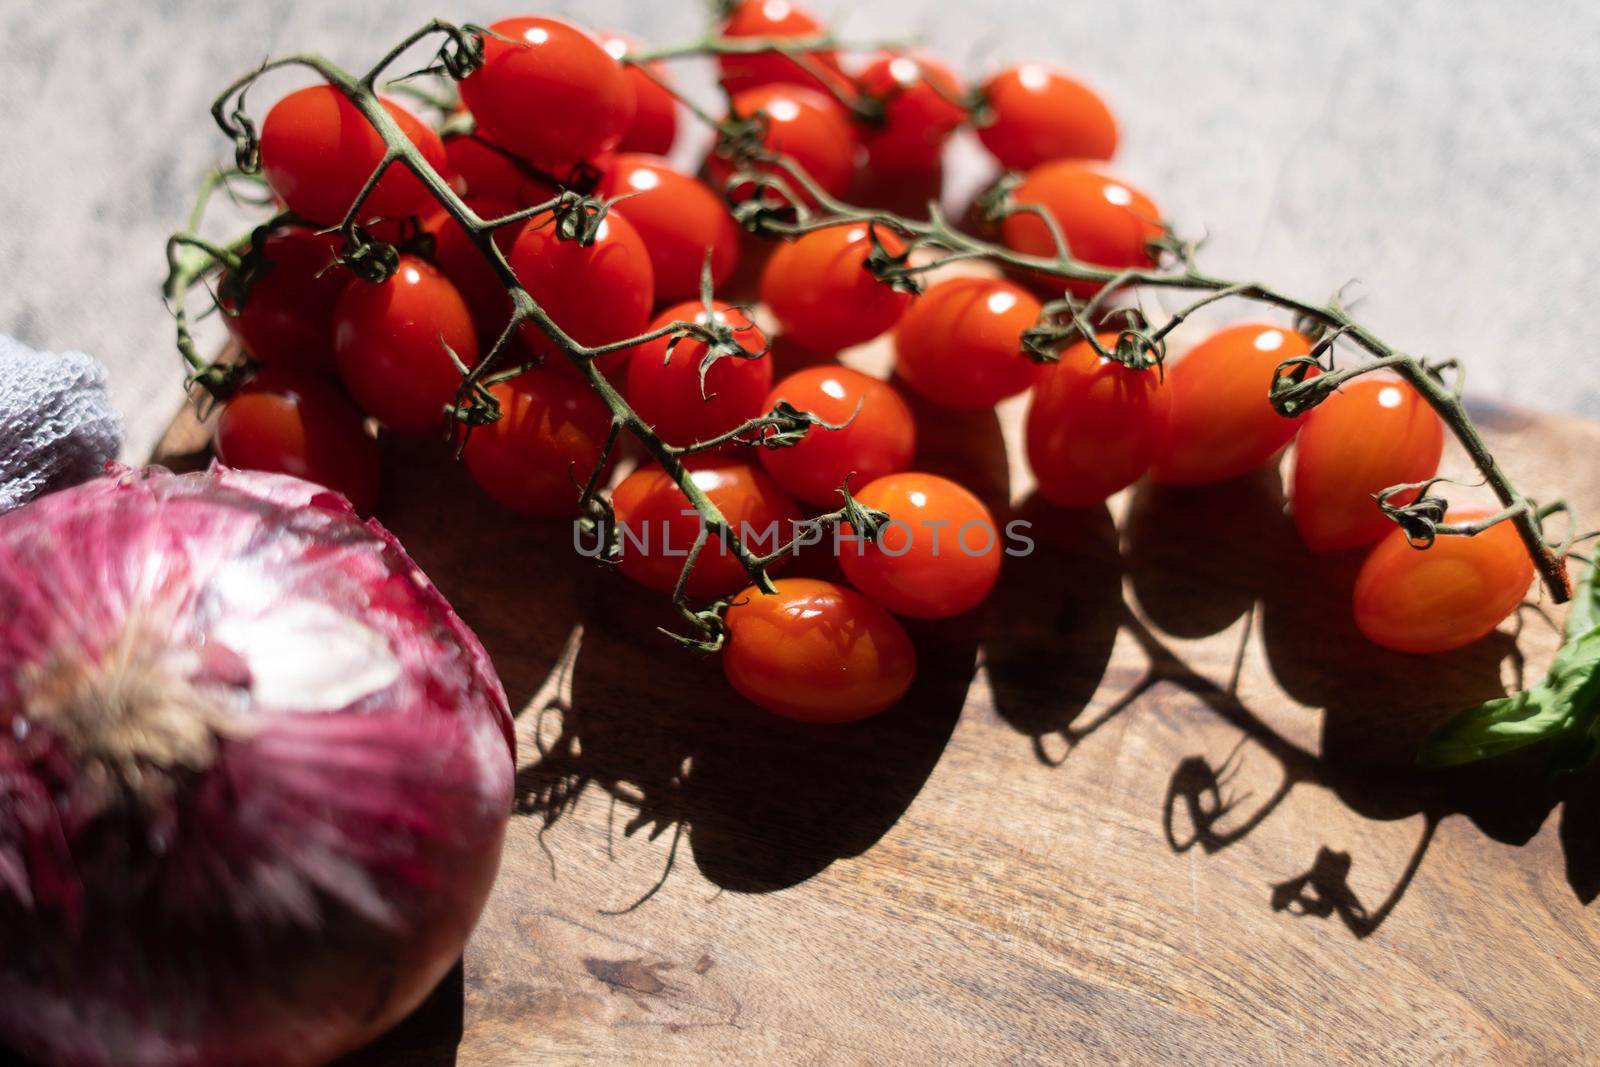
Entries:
{"x":773,"y":18}
{"x":390,"y":342}
{"x":679,"y":219}
{"x":938,"y":556}
{"x":816,"y":652}
{"x":555,"y":97}
{"x":960,"y":345}
{"x":550,"y":436}
{"x":1221,"y":424}
{"x":655,"y":114}
{"x":1093,"y":425}
{"x":1445,"y":596}
{"x":819,"y":288}
{"x":1106,"y":222}
{"x":1037,"y":115}
{"x":318,"y":150}
{"x":290,"y":422}
{"x":658,"y":525}
{"x":469,"y":271}
{"x":879,"y":439}
{"x":286,"y":318}
{"x":490,"y":172}
{"x":920,"y":112}
{"x":664,"y":386}
{"x":1372,"y":434}
{"x":805,"y":125}
{"x":597,"y":294}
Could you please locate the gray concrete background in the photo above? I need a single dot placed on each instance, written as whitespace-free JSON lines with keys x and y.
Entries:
{"x":1444,"y":152}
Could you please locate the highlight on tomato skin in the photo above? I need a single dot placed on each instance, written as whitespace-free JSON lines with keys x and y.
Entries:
{"x":1036,"y":114}
{"x":816,"y":652}
{"x":1222,"y":424}
{"x":393,"y":341}
{"x":960,"y":344}
{"x":920,"y":100}
{"x":819,"y":289}
{"x":1106,"y":221}
{"x":288,"y":422}
{"x":1445,"y":596}
{"x":679,"y":218}
{"x":655,"y":115}
{"x":806,"y":125}
{"x":773,"y":18}
{"x":550,"y":435}
{"x":939,"y":555}
{"x":878,"y":437}
{"x":1093,"y":425}
{"x":657,"y":525}
{"x":664,"y":385}
{"x":1372,"y":434}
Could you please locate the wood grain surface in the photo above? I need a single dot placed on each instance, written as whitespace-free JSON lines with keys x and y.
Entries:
{"x":1154,"y":803}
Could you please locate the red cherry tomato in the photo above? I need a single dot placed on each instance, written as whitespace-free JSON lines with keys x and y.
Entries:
{"x":960,"y":345}
{"x":805,"y":125}
{"x":879,"y":439}
{"x":550,"y":436}
{"x":318,"y":150}
{"x":1093,"y":425}
{"x":773,"y":18}
{"x":1372,"y":434}
{"x":665,"y":389}
{"x":939,"y":555}
{"x":1221,"y":424}
{"x":469,"y":271}
{"x":655,"y":115}
{"x":490,"y":172}
{"x":658,"y":525}
{"x":597,"y":294}
{"x":1106,"y":222}
{"x":920,"y":111}
{"x":554,"y":97}
{"x":1445,"y":596}
{"x":390,"y":342}
{"x":816,"y":652}
{"x":1038,"y":115}
{"x":679,"y":219}
{"x":286,"y":319}
{"x":294,"y":423}
{"x":819,"y":288}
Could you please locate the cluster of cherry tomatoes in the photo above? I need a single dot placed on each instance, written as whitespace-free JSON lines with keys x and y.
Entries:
{"x":553,"y":108}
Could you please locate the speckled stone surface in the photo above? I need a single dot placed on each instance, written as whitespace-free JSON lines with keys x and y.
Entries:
{"x":1444,"y":152}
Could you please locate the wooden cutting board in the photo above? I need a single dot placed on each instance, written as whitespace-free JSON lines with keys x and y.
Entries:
{"x":1154,"y":804}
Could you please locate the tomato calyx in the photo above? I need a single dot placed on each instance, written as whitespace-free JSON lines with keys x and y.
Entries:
{"x":1301,"y":383}
{"x":578,"y":217}
{"x":893,"y":269}
{"x":1420,"y":519}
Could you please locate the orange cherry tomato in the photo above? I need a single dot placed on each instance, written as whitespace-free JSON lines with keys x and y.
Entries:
{"x":938,"y":556}
{"x":550,"y":436}
{"x":658,"y":525}
{"x":1038,"y":115}
{"x":391,"y":338}
{"x":318,"y":150}
{"x":816,"y":652}
{"x":679,"y":219}
{"x":655,"y":114}
{"x":773,"y":18}
{"x":805,"y":125}
{"x":1106,"y":221}
{"x":1094,"y":425}
{"x":1222,"y":424}
{"x":1372,"y":434}
{"x":920,"y":111}
{"x":554,"y":96}
{"x":1445,"y":596}
{"x":820,"y":290}
{"x":598,"y":294}
{"x":290,"y":422}
{"x":879,"y":440}
{"x":286,"y":318}
{"x":960,"y":345}
{"x":460,"y":260}
{"x":664,"y":384}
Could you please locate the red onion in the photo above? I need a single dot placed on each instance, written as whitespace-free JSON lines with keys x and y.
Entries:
{"x":254,"y":774}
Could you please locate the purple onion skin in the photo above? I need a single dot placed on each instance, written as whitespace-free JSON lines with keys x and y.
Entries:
{"x":254,"y":774}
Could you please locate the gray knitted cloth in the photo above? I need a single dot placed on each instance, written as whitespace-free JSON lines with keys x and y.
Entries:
{"x":56,"y":423}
